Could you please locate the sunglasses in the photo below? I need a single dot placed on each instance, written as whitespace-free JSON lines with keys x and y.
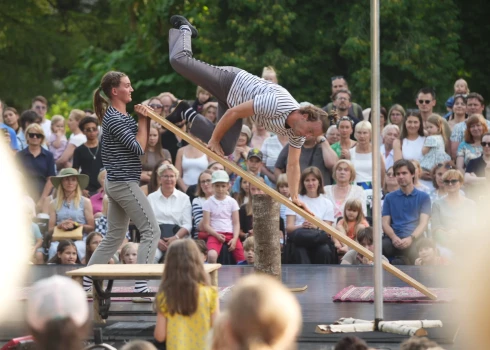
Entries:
{"x":35,"y":136}
{"x":156,"y":106}
{"x":452,"y":182}
{"x":424,"y":101}
{"x":337,"y":77}
{"x":485,"y":144}
{"x":91,"y":130}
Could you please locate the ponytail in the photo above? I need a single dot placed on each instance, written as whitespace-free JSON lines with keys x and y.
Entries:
{"x":110,"y":80}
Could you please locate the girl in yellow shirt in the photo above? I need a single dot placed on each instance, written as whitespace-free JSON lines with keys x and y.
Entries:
{"x":186,"y":303}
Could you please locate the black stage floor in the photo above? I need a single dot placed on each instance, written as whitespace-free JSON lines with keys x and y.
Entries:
{"x":323,"y":282}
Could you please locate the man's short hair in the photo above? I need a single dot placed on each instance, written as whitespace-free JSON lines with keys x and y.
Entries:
{"x":404,"y":162}
{"x":41,"y":99}
{"x":365,"y":234}
{"x":477,"y":96}
{"x":427,"y":90}
{"x":28,"y":117}
{"x":316,"y":114}
{"x":343,"y":91}
{"x":87,"y":120}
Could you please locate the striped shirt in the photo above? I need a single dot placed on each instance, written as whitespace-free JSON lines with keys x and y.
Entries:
{"x":272,"y":104}
{"x":120,"y":150}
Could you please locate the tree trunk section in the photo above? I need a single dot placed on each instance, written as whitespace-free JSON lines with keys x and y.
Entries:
{"x":267,"y":235}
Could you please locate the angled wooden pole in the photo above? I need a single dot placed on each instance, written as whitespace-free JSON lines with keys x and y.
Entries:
{"x":283,"y":200}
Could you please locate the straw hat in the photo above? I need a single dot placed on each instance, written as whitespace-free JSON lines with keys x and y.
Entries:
{"x":82,"y":178}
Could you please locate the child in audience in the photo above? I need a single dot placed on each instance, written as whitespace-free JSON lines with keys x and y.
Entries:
{"x":66,"y":254}
{"x":261,"y":314}
{"x":139,"y":345}
{"x":203,"y":248}
{"x":57,"y":141}
{"x":282,"y":186}
{"x":91,"y":243}
{"x":365,"y":238}
{"x":202,"y":97}
{"x":129,"y":253}
{"x":352,"y":222}
{"x":249,"y":248}
{"x":221,"y":219}
{"x":428,"y":254}
{"x":434,"y":145}
{"x":242,"y":196}
{"x":186,"y":303}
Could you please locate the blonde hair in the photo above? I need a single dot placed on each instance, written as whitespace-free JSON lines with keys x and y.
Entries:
{"x":349,"y":164}
{"x":465,"y":84}
{"x":263,"y":314}
{"x":269,"y":70}
{"x":200,"y":89}
{"x":363,"y":125}
{"x":282,"y":180}
{"x":56,"y":119}
{"x":249,"y":204}
{"x":77,"y":114}
{"x":453,"y":174}
{"x":436,"y":119}
{"x":125,"y":249}
{"x":60,"y":197}
{"x":139,"y":345}
{"x":353,"y":204}
{"x":249,"y":243}
{"x":34,"y":128}
{"x":164,"y":167}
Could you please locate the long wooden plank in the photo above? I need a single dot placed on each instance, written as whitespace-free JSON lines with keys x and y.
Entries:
{"x":283,"y":200}
{"x":119,"y":271}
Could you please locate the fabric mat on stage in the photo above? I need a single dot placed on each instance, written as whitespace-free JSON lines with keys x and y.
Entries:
{"x":393,"y":295}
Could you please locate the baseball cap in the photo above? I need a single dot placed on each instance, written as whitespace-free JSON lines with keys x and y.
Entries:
{"x":255,"y":152}
{"x":56,"y":297}
{"x":220,"y":176}
{"x":246,"y":130}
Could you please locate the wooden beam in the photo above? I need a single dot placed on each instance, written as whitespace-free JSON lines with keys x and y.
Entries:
{"x":283,"y":200}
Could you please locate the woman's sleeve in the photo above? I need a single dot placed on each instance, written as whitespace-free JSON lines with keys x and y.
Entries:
{"x":119,"y":130}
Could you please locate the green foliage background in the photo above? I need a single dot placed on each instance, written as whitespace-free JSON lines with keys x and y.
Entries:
{"x":61,"y":48}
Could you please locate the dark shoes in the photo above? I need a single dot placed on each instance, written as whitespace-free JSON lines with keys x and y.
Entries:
{"x":177,"y":116}
{"x":177,"y":21}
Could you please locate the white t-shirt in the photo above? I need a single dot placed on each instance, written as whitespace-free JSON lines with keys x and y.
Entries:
{"x":320,"y":206}
{"x":220,"y":213}
{"x":412,"y":149}
{"x":46,"y":125}
{"x":77,"y":140}
{"x":363,"y":162}
{"x":272,"y":104}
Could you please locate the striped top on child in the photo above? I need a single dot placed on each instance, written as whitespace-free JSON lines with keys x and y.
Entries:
{"x":120,"y":150}
{"x":272,"y":104}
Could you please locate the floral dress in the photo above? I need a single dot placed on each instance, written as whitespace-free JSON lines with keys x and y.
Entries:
{"x":436,"y":154}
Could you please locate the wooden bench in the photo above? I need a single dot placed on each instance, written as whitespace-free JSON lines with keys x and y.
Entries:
{"x":102,"y":297}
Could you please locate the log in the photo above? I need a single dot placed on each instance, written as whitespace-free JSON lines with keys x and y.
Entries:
{"x":390,"y":327}
{"x":417,"y":323}
{"x":267,"y":235}
{"x":350,"y":320}
{"x":288,"y":203}
{"x":345,"y":328}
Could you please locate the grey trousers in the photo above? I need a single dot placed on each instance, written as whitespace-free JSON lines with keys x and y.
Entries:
{"x":127,"y":201}
{"x":216,"y":80}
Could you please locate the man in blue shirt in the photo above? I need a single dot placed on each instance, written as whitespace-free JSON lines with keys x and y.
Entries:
{"x":13,"y":135}
{"x":406,"y":213}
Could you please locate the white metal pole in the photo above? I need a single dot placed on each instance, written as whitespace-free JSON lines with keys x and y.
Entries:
{"x":375,"y":113}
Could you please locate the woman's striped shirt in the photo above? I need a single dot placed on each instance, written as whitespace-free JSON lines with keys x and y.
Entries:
{"x":120,"y":150}
{"x":272,"y":104}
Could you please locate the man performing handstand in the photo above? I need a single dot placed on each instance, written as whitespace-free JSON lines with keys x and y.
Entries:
{"x":241,"y":95}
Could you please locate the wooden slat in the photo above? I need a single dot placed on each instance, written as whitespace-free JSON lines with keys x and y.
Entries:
{"x":128,"y":270}
{"x":283,"y":200}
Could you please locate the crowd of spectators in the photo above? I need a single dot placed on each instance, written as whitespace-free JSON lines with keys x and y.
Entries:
{"x":434,"y":174}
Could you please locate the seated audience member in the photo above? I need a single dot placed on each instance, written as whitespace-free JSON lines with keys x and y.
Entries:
{"x":428,"y":253}
{"x":11,"y":119}
{"x":282,"y":186}
{"x":246,"y":214}
{"x":101,"y":222}
{"x":470,"y":148}
{"x":249,"y":248}
{"x":344,"y":174}
{"x":418,"y":184}
{"x":261,"y":314}
{"x":314,"y":152}
{"x":242,"y":195}
{"x":203,"y":248}
{"x":191,"y":190}
{"x":91,"y":243}
{"x":57,"y":141}
{"x":202,"y":97}
{"x":390,"y":133}
{"x":204,"y":191}
{"x":172,"y":210}
{"x":340,"y":83}
{"x":210,"y":111}
{"x":38,"y":164}
{"x":239,"y":155}
{"x":419,"y":343}
{"x":66,"y":254}
{"x":311,"y":244}
{"x":474,"y":177}
{"x":271,"y":148}
{"x":437,"y":172}
{"x":129,"y":253}
{"x":345,"y":127}
{"x":138,"y":345}
{"x":97,"y":199}
{"x":351,"y":223}
{"x":87,"y":158}
{"x":154,"y":154}
{"x":154,"y":183}
{"x":190,"y":162}
{"x":391,"y":184}
{"x":332,"y":135}
{"x":254,"y":166}
{"x":10,"y":135}
{"x":259,"y":135}
{"x":77,"y":138}
{"x":383,"y":119}
{"x":366,"y":239}
{"x":396,"y":114}
{"x":70,"y":209}
{"x":405,"y":215}
{"x":351,"y":343}
{"x":58,"y":316}
{"x":221,"y":219}
{"x":454,"y":217}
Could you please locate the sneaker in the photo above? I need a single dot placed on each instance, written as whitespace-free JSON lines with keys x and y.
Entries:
{"x":177,"y":21}
{"x":177,"y":116}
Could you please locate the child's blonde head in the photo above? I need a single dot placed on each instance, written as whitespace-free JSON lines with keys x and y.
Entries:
{"x":125,"y":249}
{"x":249,"y":244}
{"x":461,"y":87}
{"x":354,"y":205}
{"x":263,"y":314}
{"x":437,"y":121}
{"x":139,"y":345}
{"x":56,"y":119}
